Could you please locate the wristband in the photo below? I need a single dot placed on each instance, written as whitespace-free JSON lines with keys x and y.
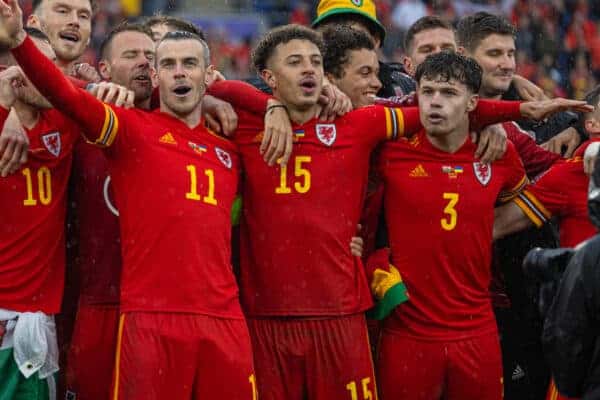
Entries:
{"x":269,"y":108}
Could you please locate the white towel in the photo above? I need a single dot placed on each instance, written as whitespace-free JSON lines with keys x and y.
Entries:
{"x":33,"y":338}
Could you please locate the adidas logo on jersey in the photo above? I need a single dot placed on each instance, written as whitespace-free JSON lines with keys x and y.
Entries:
{"x":418,"y":172}
{"x":167,"y":138}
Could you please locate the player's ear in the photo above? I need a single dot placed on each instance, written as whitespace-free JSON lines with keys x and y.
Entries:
{"x":269,"y":78}
{"x":33,"y":21}
{"x":104,"y":70}
{"x":592,"y":125}
{"x":408,"y":65}
{"x":472,"y":103}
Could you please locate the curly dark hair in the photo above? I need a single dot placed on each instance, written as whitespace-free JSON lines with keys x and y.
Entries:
{"x":281,"y":35}
{"x":448,"y":65}
{"x":339,"y":42}
{"x":471,"y":30}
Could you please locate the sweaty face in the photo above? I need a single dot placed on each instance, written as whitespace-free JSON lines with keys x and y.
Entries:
{"x":444,"y":106}
{"x":426,"y":43}
{"x":496,"y":56}
{"x":359,"y":79}
{"x":28,"y":94}
{"x":68,"y":24}
{"x":159,"y":31}
{"x":297,"y":73}
{"x":181,"y":75}
{"x":130,"y":63}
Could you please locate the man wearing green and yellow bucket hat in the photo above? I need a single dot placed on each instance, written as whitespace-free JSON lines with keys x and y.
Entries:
{"x":362,"y":15}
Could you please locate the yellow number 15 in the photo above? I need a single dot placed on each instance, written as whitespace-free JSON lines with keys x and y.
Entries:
{"x":449,"y":222}
{"x":302,"y":185}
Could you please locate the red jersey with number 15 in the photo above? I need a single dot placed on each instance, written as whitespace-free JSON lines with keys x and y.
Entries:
{"x":298,"y":220}
{"x":32,"y":226}
{"x":440,"y":214}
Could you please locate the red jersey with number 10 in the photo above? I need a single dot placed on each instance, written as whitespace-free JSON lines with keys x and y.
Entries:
{"x":440,"y":214}
{"x":32,"y":226}
{"x":298,"y":221}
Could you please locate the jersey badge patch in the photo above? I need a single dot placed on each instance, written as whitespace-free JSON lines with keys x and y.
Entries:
{"x":53,"y":143}
{"x":452,"y":172}
{"x":483,"y":172}
{"x":197,"y":148}
{"x":167,"y":138}
{"x":418,"y":172}
{"x":326,"y":133}
{"x":223,"y":156}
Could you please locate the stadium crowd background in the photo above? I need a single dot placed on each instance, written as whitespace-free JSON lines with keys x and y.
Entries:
{"x":558,"y":41}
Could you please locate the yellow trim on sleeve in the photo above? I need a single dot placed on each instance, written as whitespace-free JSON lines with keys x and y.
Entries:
{"x":118,"y":357}
{"x":388,"y":123}
{"x":528,"y":212}
{"x":400,"y":116}
{"x":508,"y":195}
{"x":109,"y":129}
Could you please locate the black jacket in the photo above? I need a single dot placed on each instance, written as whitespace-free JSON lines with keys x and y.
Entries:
{"x":572,"y":328}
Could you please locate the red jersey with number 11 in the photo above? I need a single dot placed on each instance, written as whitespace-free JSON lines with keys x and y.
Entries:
{"x":440,"y":214}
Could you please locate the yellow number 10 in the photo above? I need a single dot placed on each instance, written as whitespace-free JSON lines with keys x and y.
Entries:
{"x":193,"y":193}
{"x":44,"y":180}
{"x":449,"y":222}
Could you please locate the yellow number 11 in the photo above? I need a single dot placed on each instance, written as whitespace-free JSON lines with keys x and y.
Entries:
{"x":193,"y":193}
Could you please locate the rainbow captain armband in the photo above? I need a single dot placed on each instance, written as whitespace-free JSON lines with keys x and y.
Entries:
{"x":386,"y":285}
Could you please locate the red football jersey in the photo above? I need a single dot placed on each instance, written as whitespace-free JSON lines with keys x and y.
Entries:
{"x":562,"y":192}
{"x":536,"y":160}
{"x":96,"y":227}
{"x":174,"y":187}
{"x":298,"y":221}
{"x":32,"y":231}
{"x":439,"y":208}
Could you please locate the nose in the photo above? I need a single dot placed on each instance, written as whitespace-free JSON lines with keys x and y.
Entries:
{"x":74,"y":18}
{"x":507,"y":62}
{"x":179,"y":71}
{"x":375,"y":82}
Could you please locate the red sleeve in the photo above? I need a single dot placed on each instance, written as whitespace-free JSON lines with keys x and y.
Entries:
{"x":535,"y":159}
{"x":378,"y":123}
{"x":515,"y":179}
{"x":241,"y":95}
{"x":489,"y":112}
{"x":3,"y":116}
{"x":97,"y":120}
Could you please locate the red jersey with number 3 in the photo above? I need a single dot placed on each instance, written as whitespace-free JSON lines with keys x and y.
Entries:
{"x":32,"y":226}
{"x":562,"y":192}
{"x":298,"y":220}
{"x":440,"y":213}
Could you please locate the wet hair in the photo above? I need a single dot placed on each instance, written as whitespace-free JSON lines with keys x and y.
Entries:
{"x":184,"y":35}
{"x":592,"y":98}
{"x":471,"y":30}
{"x":266,"y":47}
{"x":35,"y":5}
{"x":424,"y":24}
{"x":123,"y":27}
{"x":348,"y":19}
{"x":447,"y":65}
{"x":177,"y":24}
{"x":339,"y":42}
{"x":37,"y":34}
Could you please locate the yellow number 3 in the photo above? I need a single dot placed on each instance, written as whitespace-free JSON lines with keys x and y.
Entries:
{"x":449,"y":222}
